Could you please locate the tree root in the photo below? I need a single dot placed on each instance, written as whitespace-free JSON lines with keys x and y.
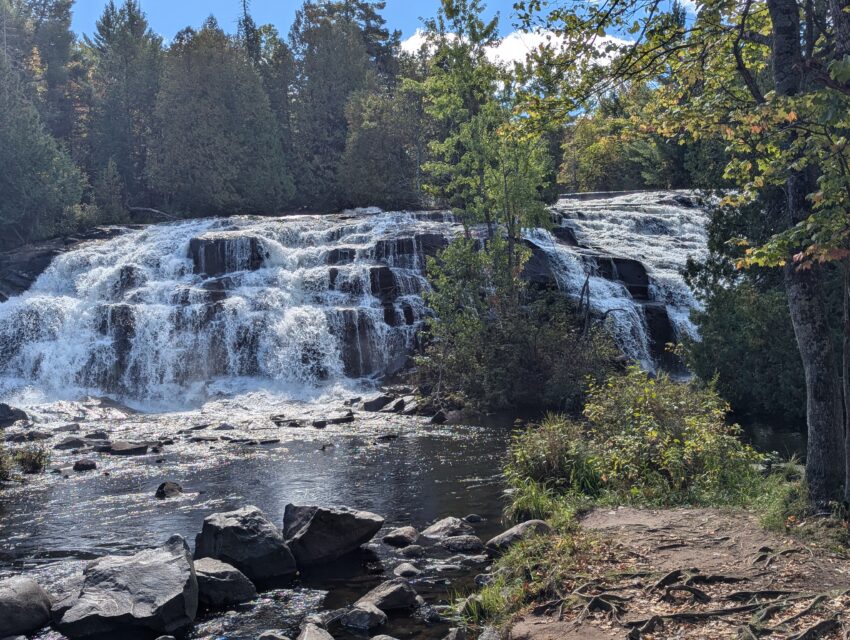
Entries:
{"x":746,"y":596}
{"x":697,"y":595}
{"x":687,"y":616}
{"x":767,"y":555}
{"x":817,"y":630}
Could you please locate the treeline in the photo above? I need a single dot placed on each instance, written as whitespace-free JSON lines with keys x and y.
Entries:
{"x":97,"y":128}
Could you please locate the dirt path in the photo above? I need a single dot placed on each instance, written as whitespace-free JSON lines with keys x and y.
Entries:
{"x":696,"y":573}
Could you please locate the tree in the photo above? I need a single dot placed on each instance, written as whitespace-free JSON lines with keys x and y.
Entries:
{"x":217,"y":148}
{"x":39,"y":181}
{"x":773,"y":78}
{"x":128,"y":64}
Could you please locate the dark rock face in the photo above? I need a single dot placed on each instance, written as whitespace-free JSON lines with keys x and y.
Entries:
{"x":537,"y":270}
{"x":565,"y":235}
{"x":661,"y":332}
{"x":376,"y":403}
{"x":360,"y":355}
{"x":10,"y":415}
{"x":630,"y":272}
{"x":24,"y":606}
{"x":249,"y":541}
{"x":504,"y":541}
{"x":221,"y":585}
{"x":215,"y":254}
{"x":318,"y":535}
{"x":152,"y":592}
{"x":383,"y":283}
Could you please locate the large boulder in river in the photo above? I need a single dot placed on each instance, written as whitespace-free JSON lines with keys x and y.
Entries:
{"x":10,"y":415}
{"x":446,"y":528}
{"x":363,"y":617}
{"x":392,"y":595}
{"x":24,"y":606}
{"x":318,"y":535}
{"x":504,"y":541}
{"x":221,"y":585}
{"x":152,"y":592}
{"x":249,"y":541}
{"x":401,"y":537}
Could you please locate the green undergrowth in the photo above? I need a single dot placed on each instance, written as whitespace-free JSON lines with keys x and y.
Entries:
{"x":641,"y":441}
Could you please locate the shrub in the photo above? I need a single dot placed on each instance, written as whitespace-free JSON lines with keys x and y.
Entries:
{"x":5,"y":464}
{"x":32,"y":459}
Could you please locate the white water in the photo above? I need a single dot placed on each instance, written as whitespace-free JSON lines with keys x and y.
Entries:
{"x":131,"y":317}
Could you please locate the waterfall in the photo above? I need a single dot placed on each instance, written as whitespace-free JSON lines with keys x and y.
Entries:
{"x":174,"y":313}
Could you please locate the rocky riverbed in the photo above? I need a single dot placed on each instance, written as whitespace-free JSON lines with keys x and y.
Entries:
{"x":121,"y":483}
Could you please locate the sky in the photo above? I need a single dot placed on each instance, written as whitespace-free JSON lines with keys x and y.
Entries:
{"x":167,"y":17}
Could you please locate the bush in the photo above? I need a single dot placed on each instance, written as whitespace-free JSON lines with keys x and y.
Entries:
{"x":645,"y":440}
{"x":32,"y":459}
{"x":5,"y":465}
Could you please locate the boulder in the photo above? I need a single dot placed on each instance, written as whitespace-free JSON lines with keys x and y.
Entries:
{"x":463,"y":544}
{"x":383,"y":637}
{"x":273,"y":634}
{"x":406,"y":570}
{"x":218,"y":253}
{"x":473,"y":518}
{"x":391,"y":595}
{"x":363,"y":617}
{"x":314,"y":632}
{"x":221,"y":585}
{"x":401,"y":537}
{"x":100,"y":434}
{"x":70,"y":442}
{"x":122,"y":448}
{"x":318,"y":535}
{"x":85,"y":465}
{"x":10,"y":415}
{"x":439,"y":417}
{"x":24,"y":606}
{"x":168,"y":489}
{"x":376,"y":403}
{"x":152,"y":592}
{"x":340,"y":417}
{"x":413,"y":551}
{"x":502,"y":542}
{"x":249,"y":541}
{"x":455,"y":634}
{"x":447,"y":528}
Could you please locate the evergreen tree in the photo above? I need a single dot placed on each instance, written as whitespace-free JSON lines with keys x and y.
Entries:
{"x":217,"y":148}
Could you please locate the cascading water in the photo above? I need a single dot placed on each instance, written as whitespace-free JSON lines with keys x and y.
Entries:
{"x":173,"y":314}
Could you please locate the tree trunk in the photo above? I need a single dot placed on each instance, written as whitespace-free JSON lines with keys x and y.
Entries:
{"x":825,"y":469}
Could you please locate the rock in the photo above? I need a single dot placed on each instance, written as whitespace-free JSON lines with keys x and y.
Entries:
{"x":396,"y":406}
{"x":428,"y":614}
{"x":219,"y":252}
{"x":406,"y":570}
{"x":314,"y":632}
{"x":376,"y":403}
{"x":152,"y":592}
{"x":413,"y":551}
{"x":320,"y":424}
{"x":447,"y":528}
{"x":473,"y":518}
{"x":489,"y":633}
{"x":221,"y":585}
{"x":24,"y":606}
{"x":462,"y":544}
{"x":340,"y":417}
{"x":401,"y":537}
{"x":122,"y":448}
{"x":504,"y":541}
{"x":363,"y":617}
{"x":168,"y":489}
{"x":166,"y":638}
{"x":10,"y":415}
{"x":383,"y":637}
{"x":439,"y":417}
{"x":391,"y":595}
{"x":318,"y":535}
{"x":85,"y":465}
{"x":71,"y":442}
{"x":100,"y":434}
{"x":455,"y":634}
{"x":273,"y":634}
{"x":249,"y":541}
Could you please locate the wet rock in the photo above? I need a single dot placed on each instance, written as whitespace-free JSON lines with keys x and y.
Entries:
{"x":474,"y":518}
{"x":314,"y":632}
{"x":455,"y":634}
{"x":71,"y":442}
{"x":10,"y":415}
{"x":502,"y":542}
{"x":68,"y":428}
{"x":123,"y":448}
{"x":401,"y":537}
{"x":222,"y":585}
{"x":249,"y":541}
{"x":392,"y":595}
{"x":439,"y":417}
{"x":462,"y":544}
{"x":340,"y":417}
{"x":27,"y":436}
{"x":489,"y":633}
{"x":320,"y":424}
{"x":363,"y":617}
{"x":413,"y":551}
{"x":273,"y":634}
{"x":218,"y":253}
{"x":154,"y":591}
{"x":383,"y":637}
{"x":396,"y":406}
{"x":406,"y":570}
{"x":168,"y":489}
{"x":427,"y":614}
{"x":447,"y":528}
{"x":24,"y":606}
{"x":376,"y":403}
{"x":318,"y":535}
{"x":85,"y":465}
{"x":100,"y":434}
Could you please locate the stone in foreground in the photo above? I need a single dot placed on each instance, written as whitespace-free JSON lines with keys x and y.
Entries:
{"x":247,"y":540}
{"x":401,"y":537}
{"x":363,"y":617}
{"x":152,"y":592}
{"x":318,"y":535}
{"x":391,"y":595}
{"x":24,"y":606}
{"x":168,"y":489}
{"x":447,"y":528}
{"x":314,"y":632}
{"x":273,"y":634}
{"x":221,"y":585}
{"x":502,"y":542}
{"x":463,"y":544}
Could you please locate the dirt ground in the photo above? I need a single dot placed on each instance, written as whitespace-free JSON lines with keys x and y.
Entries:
{"x":696,"y":573}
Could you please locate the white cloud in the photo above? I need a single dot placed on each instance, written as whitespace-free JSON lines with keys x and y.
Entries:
{"x":514,"y":47}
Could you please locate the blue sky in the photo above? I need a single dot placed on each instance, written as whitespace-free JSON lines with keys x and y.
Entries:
{"x":167,"y":17}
